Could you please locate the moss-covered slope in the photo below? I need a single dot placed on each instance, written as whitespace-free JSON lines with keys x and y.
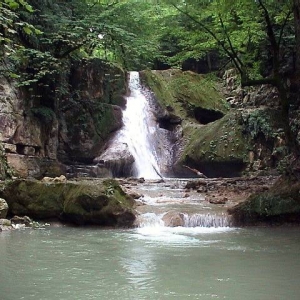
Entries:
{"x":184,"y":92}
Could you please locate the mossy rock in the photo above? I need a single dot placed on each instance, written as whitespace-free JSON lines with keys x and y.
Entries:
{"x":217,"y":141}
{"x":185,"y":92}
{"x":100,"y":202}
{"x":224,"y":147}
{"x":216,"y":149}
{"x":281,"y":204}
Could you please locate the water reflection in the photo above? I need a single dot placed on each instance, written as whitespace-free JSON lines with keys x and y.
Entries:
{"x":178,"y":263}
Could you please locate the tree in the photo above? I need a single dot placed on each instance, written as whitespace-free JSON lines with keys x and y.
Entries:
{"x":296,"y":9}
{"x":243,"y":31}
{"x":10,"y":27}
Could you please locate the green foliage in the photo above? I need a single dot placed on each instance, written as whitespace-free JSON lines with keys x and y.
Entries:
{"x":36,"y":65}
{"x":238,"y":30}
{"x":11,"y":24}
{"x":259,"y":123}
{"x":265,"y":123}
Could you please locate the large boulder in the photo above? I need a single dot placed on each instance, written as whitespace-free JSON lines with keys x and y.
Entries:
{"x":243,"y":140}
{"x":117,"y":158}
{"x":3,"y":208}
{"x":280,"y":204}
{"x":185,"y":102}
{"x":100,"y":202}
{"x":213,"y":138}
{"x":34,"y":167}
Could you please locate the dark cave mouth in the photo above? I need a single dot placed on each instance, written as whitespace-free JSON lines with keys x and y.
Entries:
{"x":205,"y":116}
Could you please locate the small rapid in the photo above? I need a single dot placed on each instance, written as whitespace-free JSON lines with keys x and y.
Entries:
{"x":167,"y":213}
{"x":208,"y":220}
{"x":152,"y":228}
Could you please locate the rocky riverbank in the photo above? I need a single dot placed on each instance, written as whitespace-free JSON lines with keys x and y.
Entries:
{"x":239,"y":201}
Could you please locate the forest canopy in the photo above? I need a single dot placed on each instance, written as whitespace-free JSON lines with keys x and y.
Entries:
{"x":141,"y":34}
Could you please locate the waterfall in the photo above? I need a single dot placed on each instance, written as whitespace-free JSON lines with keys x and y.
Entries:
{"x":139,"y":131}
{"x":141,"y":148}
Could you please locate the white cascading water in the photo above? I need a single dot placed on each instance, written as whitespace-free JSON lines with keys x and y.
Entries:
{"x":139,"y":129}
{"x":207,"y":220}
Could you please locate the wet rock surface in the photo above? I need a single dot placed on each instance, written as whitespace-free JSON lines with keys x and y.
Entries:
{"x":173,"y":219}
{"x":118,"y":159}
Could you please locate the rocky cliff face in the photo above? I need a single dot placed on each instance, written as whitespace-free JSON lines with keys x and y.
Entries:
{"x":38,"y":136}
{"x":226,"y":130}
{"x":91,"y":112}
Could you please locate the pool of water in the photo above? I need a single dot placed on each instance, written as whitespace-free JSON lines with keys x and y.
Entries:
{"x":150,"y":263}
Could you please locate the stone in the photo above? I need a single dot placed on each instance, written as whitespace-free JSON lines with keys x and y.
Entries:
{"x":61,"y":178}
{"x":173,"y":219}
{"x":5,"y":222}
{"x":218,"y":200}
{"x":10,"y":148}
{"x":3,"y":208}
{"x":5,"y":225}
{"x":278,"y":205}
{"x":135,"y":195}
{"x":21,"y":220}
{"x":28,"y":150}
{"x":118,"y":159}
{"x":35,"y":167}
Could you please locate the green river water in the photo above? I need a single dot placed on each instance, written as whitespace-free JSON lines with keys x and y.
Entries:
{"x":150,"y":263}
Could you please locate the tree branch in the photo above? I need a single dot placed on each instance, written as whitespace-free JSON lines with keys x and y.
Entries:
{"x":67,"y":52}
{"x":283,"y":26}
{"x":232,"y":56}
{"x":230,"y":44}
{"x":249,"y":82}
{"x":270,"y":31}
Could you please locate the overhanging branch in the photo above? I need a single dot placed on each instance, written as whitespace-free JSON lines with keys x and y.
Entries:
{"x":231,"y":54}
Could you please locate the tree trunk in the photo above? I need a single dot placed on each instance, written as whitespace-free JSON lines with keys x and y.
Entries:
{"x":297,"y":32}
{"x":285,"y":107}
